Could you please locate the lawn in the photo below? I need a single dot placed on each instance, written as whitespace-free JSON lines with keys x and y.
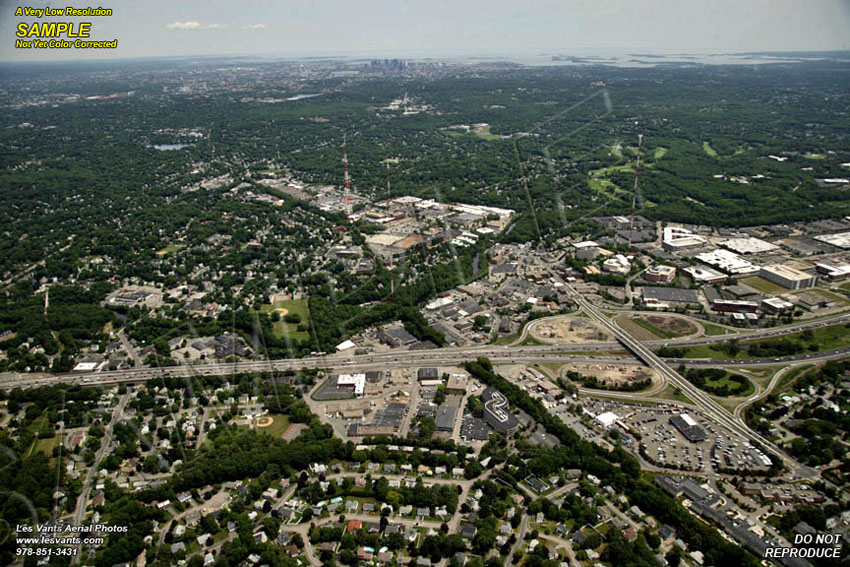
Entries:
{"x":672,"y":392}
{"x":826,"y":338}
{"x":764,"y":286}
{"x":789,"y":378}
{"x":725,"y":381}
{"x":660,"y":153}
{"x":712,"y":330}
{"x":605,"y":187}
{"x":282,"y":328}
{"x":711,"y":152}
{"x":278,"y":426}
{"x":45,"y":446}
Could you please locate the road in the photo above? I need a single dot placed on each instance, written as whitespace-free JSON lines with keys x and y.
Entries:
{"x":706,"y":403}
{"x":391,"y":360}
{"x":83,"y":499}
{"x":128,"y":346}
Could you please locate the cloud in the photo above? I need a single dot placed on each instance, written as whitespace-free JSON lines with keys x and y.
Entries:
{"x":193,"y":25}
{"x":254,"y":27}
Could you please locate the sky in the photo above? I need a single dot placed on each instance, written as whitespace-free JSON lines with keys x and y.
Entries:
{"x":292,"y":28}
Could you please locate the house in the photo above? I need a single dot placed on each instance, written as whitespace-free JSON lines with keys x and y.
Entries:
{"x":354,"y":525}
{"x":177,"y":548}
{"x":468,"y":531}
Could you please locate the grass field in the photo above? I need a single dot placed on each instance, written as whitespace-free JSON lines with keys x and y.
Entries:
{"x":674,"y":393}
{"x":764,"y":286}
{"x":660,"y":153}
{"x":789,"y":378}
{"x":282,"y":328}
{"x":171,"y":249}
{"x":281,"y":422}
{"x":656,"y":330}
{"x":46,"y":445}
{"x":531,"y":341}
{"x":826,"y":338}
{"x":640,"y":329}
{"x":748,"y":389}
{"x":712,"y":330}
{"x":711,"y":152}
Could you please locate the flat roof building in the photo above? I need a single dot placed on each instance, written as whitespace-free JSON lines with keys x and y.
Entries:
{"x":659,"y":273}
{"x":688,"y":427}
{"x":787,"y":276}
{"x":445,"y":419}
{"x":703,"y":275}
{"x":748,"y":245}
{"x":496,"y":412}
{"x":775,"y":305}
{"x":728,"y":262}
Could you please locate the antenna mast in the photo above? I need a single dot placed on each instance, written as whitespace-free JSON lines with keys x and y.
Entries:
{"x":388,"y":180}
{"x":635,"y":189}
{"x":347,"y":180}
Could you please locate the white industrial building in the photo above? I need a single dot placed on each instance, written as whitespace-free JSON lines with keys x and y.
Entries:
{"x":833,"y":272}
{"x":356,"y":381}
{"x":617,"y":264}
{"x":607,"y":419}
{"x":675,"y":238}
{"x":841,"y":240}
{"x":748,"y":245}
{"x":703,"y":275}
{"x":728,"y":262}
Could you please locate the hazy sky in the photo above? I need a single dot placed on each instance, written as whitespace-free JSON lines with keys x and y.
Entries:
{"x":383,"y":27}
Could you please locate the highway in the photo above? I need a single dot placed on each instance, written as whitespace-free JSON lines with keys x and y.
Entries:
{"x":706,"y":403}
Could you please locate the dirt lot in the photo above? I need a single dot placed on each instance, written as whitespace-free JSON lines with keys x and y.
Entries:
{"x":615,"y":374}
{"x":570,"y":330}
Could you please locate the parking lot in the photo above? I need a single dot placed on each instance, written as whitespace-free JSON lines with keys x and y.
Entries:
{"x":666,"y":445}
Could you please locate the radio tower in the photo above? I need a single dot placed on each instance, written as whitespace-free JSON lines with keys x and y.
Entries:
{"x":388,"y":180}
{"x":347,"y":180}
{"x":634,"y":191}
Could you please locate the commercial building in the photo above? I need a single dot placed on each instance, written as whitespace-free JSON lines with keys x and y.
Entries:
{"x":841,"y":240}
{"x":702,"y":275}
{"x":734,"y":306}
{"x":607,"y":419}
{"x":652,"y":294}
{"x":775,"y":305}
{"x":688,"y":428}
{"x":659,"y":273}
{"x":445,"y":418}
{"x":728,"y":262}
{"x":788,"y":277}
{"x":496,"y":412}
{"x":675,"y":239}
{"x":833,"y":272}
{"x":748,"y":245}
{"x":617,"y":264}
{"x":427,"y":374}
{"x":357,"y":382}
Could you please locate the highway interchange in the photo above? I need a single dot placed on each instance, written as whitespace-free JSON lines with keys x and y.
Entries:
{"x":516,"y":353}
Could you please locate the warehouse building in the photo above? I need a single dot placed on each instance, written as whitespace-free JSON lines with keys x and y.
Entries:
{"x":788,"y":277}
